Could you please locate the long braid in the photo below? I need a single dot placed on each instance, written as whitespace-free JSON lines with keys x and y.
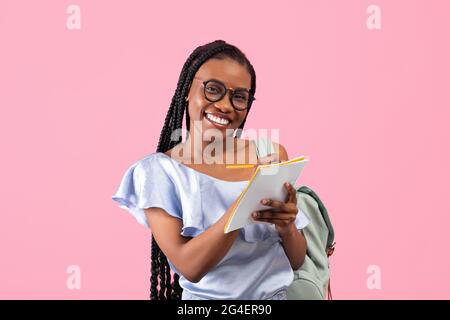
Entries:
{"x":219,"y":49}
{"x":162,"y":276}
{"x":155,"y":266}
{"x":168,"y":292}
{"x":176,"y":287}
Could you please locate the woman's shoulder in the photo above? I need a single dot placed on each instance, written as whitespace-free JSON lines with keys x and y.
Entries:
{"x":280,"y":150}
{"x":151,"y":182}
{"x":153,"y":164}
{"x":154,"y":157}
{"x":159,"y":164}
{"x":266,"y":146}
{"x":153,"y":160}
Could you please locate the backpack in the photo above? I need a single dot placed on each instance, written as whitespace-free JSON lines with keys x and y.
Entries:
{"x":312,"y":280}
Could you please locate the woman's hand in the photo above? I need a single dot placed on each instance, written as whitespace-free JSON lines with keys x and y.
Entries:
{"x":270,"y":158}
{"x":282,"y":214}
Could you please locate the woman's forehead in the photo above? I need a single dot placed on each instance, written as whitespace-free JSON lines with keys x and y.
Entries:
{"x":230,"y":72}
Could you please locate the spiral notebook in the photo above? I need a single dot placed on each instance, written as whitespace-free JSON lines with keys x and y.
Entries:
{"x":266,"y":183}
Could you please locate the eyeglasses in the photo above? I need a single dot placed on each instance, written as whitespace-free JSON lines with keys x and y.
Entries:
{"x":214,"y":90}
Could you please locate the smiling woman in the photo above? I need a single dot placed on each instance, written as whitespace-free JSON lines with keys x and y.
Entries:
{"x":187,"y":206}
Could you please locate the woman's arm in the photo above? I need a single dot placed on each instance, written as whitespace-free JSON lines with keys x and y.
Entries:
{"x":294,"y":244}
{"x":193,"y":257}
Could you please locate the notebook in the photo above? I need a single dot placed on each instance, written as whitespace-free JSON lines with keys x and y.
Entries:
{"x":266,"y":183}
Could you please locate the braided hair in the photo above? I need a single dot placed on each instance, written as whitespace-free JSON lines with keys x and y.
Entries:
{"x":219,"y":49}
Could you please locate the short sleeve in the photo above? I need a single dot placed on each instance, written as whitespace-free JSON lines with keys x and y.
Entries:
{"x":145,"y":184}
{"x":302,"y":220}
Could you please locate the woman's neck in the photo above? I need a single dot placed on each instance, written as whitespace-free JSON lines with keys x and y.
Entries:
{"x":197,"y":151}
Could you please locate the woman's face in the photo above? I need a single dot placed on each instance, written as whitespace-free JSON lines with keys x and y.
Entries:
{"x":233,"y":75}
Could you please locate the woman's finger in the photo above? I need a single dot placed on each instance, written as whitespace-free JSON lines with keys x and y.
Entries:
{"x":279,"y":205}
{"x":277,"y":220}
{"x":274,"y":203}
{"x":292,"y":193}
{"x":266,"y":214}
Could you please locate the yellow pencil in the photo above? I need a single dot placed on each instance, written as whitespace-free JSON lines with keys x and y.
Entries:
{"x":235,"y":166}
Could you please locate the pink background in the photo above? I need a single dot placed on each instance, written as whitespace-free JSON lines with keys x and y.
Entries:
{"x":369,"y":107}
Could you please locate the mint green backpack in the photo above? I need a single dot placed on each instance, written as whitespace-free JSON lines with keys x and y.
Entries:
{"x":312,"y":280}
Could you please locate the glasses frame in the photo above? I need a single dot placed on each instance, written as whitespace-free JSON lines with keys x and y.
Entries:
{"x":251,"y":98}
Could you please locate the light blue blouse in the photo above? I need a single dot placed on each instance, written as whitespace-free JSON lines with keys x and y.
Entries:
{"x":256,"y":266}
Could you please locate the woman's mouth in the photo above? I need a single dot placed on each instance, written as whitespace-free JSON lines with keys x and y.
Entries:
{"x":217,"y":121}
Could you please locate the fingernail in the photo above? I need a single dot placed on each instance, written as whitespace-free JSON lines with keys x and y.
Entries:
{"x":254,"y":215}
{"x":264,"y":201}
{"x":286,"y":184}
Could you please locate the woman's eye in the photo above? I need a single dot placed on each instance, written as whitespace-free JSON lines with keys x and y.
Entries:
{"x":212,"y":89}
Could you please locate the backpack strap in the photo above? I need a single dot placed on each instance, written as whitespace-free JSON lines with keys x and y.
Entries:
{"x":326,"y":218}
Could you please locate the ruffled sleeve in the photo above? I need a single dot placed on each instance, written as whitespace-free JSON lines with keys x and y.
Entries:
{"x":159,"y":181}
{"x":146,"y":184}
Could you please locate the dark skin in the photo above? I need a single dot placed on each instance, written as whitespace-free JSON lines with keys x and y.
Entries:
{"x":194,"y":257}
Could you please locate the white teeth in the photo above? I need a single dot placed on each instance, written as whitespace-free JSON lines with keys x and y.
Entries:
{"x":217,"y":119}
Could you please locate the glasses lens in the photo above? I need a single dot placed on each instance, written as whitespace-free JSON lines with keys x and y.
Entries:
{"x":214,"y":91}
{"x":241,"y":99}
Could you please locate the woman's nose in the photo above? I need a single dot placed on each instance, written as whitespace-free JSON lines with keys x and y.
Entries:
{"x":224,"y":104}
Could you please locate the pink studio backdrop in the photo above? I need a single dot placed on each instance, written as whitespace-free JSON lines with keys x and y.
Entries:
{"x":369,"y":107}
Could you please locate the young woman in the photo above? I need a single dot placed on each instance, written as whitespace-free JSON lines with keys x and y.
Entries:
{"x":187,"y":202}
